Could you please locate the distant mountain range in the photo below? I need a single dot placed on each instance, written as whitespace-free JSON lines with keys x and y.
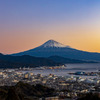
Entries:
{"x":51,"y":48}
{"x":8,"y":61}
{"x":64,"y":60}
{"x":50,"y":53}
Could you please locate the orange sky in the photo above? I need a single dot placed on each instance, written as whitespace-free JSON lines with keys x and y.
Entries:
{"x":88,"y":40}
{"x":27,"y":25}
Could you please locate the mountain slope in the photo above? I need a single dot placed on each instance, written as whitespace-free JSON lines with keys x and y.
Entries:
{"x":7,"y":61}
{"x":67,"y":60}
{"x":51,"y":48}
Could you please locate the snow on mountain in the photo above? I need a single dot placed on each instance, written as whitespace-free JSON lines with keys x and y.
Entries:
{"x":53,"y":43}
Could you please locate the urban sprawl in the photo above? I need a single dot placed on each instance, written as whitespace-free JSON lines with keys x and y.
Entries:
{"x":69,"y":86}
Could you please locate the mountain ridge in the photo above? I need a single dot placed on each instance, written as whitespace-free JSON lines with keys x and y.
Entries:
{"x":68,"y":60}
{"x":8,"y":61}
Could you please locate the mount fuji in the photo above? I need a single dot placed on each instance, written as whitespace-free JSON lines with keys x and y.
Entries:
{"x":53,"y":43}
{"x":52,"y":48}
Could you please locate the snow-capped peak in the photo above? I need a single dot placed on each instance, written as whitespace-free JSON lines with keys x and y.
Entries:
{"x":53,"y":43}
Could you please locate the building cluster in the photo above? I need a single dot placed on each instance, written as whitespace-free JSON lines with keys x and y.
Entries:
{"x":86,"y":73}
{"x":68,"y":86}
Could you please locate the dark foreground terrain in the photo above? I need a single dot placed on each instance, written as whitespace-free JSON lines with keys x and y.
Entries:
{"x":89,"y":96}
{"x":24,"y":91}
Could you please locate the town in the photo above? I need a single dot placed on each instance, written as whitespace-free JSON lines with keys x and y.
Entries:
{"x":66,"y":86}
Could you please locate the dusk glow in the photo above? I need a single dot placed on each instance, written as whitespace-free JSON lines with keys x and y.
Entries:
{"x":25,"y":24}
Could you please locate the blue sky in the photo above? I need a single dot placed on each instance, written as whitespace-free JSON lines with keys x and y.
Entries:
{"x":33,"y":20}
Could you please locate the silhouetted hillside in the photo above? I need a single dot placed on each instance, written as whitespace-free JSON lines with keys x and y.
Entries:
{"x":67,"y":60}
{"x":24,"y":91}
{"x":7,"y":61}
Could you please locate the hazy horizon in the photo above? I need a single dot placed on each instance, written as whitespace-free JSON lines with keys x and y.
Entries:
{"x":26,"y":24}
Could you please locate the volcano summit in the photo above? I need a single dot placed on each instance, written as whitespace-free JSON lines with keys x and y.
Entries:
{"x":53,"y":43}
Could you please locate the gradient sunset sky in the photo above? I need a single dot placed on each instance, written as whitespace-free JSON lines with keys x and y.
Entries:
{"x":25,"y":24}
